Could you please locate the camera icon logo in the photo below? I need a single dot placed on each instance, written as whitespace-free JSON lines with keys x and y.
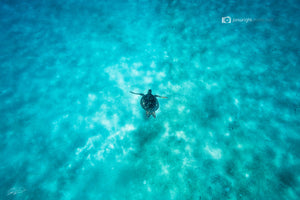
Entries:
{"x":226,"y":20}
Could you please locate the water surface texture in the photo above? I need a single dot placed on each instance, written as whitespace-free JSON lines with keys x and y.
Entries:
{"x":70,"y":129}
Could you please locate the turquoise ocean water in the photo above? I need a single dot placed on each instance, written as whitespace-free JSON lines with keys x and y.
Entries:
{"x":70,"y":129}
